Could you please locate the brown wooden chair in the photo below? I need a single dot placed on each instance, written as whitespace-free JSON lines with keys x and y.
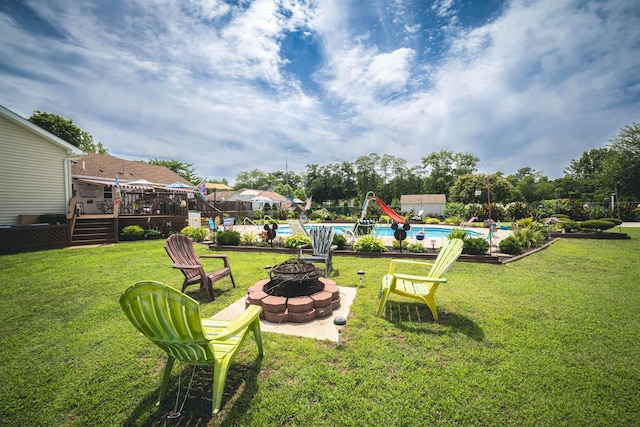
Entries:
{"x":180,"y":249}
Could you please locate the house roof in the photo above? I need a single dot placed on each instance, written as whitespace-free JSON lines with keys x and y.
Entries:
{"x":15,"y":118}
{"x":94,"y":165}
{"x":276,"y":197}
{"x":423,"y":199}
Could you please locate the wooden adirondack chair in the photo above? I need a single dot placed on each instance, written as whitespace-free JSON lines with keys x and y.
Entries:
{"x":172,"y":321}
{"x":180,"y":249}
{"x":321,"y":239}
{"x":421,"y":288}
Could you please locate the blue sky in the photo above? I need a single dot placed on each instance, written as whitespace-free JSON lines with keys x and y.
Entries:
{"x":238,"y":85}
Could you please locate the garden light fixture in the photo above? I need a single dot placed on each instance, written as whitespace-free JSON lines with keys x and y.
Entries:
{"x":340,"y":324}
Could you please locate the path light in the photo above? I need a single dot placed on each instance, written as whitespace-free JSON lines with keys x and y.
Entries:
{"x":340,"y":324}
{"x":433,"y":244}
{"x":361,"y":275}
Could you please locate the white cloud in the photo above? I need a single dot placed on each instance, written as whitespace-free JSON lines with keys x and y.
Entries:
{"x":203,"y":82}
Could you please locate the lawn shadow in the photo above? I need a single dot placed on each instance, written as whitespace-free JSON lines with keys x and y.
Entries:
{"x":200,"y":294}
{"x":239,"y":391}
{"x":416,"y":317}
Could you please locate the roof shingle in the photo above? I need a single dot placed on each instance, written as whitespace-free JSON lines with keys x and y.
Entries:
{"x":106,"y":166}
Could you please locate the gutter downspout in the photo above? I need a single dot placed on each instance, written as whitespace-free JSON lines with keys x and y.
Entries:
{"x":67,"y":177}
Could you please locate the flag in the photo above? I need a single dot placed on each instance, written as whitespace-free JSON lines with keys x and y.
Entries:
{"x":308,"y":206}
{"x":202,"y":188}
{"x":117,"y":195}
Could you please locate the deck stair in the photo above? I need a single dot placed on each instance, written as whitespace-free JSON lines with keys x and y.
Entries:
{"x":93,"y":231}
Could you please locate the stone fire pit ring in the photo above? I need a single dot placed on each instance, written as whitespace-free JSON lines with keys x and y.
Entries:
{"x":299,"y":309}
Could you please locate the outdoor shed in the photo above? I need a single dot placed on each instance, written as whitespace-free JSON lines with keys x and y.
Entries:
{"x":423,"y":204}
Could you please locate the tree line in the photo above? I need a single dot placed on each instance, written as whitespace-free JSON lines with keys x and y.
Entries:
{"x":614,"y":168}
{"x":594,"y":176}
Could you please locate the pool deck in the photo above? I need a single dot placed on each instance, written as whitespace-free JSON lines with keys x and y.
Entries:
{"x":429,"y":242}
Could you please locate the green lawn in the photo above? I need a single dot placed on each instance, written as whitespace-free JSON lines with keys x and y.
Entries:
{"x":552,"y":339}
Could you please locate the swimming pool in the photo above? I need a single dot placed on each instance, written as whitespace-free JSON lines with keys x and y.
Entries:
{"x":430,"y":231}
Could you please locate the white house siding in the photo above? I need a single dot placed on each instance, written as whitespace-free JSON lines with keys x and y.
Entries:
{"x":31,"y":174}
{"x":426,"y":208}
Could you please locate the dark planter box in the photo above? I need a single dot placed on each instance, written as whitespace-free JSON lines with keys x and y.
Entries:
{"x":581,"y":235}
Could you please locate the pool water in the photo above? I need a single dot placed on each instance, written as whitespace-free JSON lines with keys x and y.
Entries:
{"x":387,"y":231}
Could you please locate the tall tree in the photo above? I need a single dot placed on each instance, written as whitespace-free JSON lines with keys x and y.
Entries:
{"x":587,"y":170}
{"x":185,"y":170}
{"x":445,"y":167}
{"x":465,"y":188}
{"x":390,"y":167}
{"x":532,"y":185}
{"x":621,"y":169}
{"x":251,"y":179}
{"x":65,"y":129}
{"x":367,"y":176}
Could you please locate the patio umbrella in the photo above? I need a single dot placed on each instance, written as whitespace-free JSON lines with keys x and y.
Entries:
{"x":179,"y":185}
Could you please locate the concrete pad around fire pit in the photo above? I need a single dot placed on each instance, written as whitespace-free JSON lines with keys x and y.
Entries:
{"x":321,"y":329}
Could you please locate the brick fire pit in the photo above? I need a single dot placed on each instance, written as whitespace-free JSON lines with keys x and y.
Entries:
{"x":300,"y":309}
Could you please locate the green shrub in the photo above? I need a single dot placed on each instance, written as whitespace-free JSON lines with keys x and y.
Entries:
{"x":616,"y":221}
{"x":199,"y":234}
{"x":397,"y":244}
{"x":528,"y":237}
{"x":416,"y":248}
{"x":322,"y":215}
{"x":132,"y":232}
{"x":538,"y":227}
{"x":570,"y":225}
{"x":524,"y":222}
{"x":186,"y":231}
{"x":340,"y":241}
{"x":228,"y":238}
{"x":295,"y":240}
{"x":152,"y":233}
{"x":196,"y":234}
{"x":458,"y":233}
{"x":452,"y":220}
{"x":475,"y":246}
{"x":510,"y":246}
{"x":597,"y":225}
{"x":518,"y":210}
{"x":432,"y":221}
{"x":248,"y":238}
{"x":454,"y":209}
{"x":369,"y":244}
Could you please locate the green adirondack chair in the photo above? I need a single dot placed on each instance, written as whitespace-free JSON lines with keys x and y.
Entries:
{"x":421,"y":288}
{"x":172,"y":321}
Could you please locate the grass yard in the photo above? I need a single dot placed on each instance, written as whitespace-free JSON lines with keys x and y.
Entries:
{"x":550,"y":340}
